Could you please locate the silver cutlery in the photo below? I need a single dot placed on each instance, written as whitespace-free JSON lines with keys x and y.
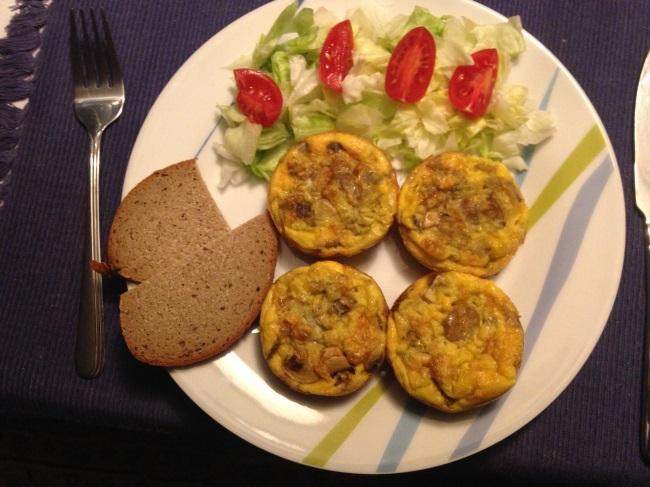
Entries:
{"x":642,"y":185}
{"x":98,"y":101}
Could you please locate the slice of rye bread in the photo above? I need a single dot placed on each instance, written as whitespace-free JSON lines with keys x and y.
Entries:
{"x":162,"y":221}
{"x":194,"y":310}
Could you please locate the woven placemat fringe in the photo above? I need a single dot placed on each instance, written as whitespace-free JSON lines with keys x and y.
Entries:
{"x":17,"y":65}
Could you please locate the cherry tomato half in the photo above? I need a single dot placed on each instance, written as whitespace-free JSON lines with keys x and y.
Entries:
{"x":259,"y":98}
{"x":471,"y":86}
{"x":411,"y":66}
{"x":336,"y":55}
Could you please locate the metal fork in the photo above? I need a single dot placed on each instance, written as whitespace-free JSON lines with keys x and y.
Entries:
{"x":98,"y":101}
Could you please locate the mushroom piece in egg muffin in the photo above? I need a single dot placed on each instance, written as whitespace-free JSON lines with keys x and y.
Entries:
{"x":459,"y":212}
{"x":333,"y":194}
{"x":323,"y":328}
{"x":454,"y":341}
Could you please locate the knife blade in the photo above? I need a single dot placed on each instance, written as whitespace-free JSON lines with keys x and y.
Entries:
{"x":642,"y":189}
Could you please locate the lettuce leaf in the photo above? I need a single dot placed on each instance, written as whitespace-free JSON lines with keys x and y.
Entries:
{"x":231,"y":114}
{"x":419,"y":17}
{"x":240,"y":142}
{"x":280,"y":70}
{"x":266,"y":161}
{"x":360,"y":119}
{"x":273,"y":136}
{"x":311,"y":124}
{"x":267,"y":43}
{"x":305,"y":83}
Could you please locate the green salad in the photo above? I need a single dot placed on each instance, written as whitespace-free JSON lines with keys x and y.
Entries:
{"x":313,"y":72}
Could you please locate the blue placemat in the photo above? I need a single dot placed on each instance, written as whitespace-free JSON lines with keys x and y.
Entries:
{"x":590,"y":432}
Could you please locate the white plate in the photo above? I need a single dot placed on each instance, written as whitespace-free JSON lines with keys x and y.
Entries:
{"x":563,"y":280}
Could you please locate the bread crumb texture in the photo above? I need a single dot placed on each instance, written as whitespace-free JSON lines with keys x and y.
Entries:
{"x":166,"y":218}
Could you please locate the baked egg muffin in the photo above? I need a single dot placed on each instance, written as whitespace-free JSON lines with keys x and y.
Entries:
{"x":459,"y":212}
{"x":454,"y":341}
{"x":333,"y":194}
{"x":323,"y":328}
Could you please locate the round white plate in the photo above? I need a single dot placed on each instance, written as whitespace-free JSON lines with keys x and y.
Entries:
{"x":563,"y":280}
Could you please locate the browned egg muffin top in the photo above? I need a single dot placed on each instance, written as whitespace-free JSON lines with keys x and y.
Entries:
{"x":333,"y":194}
{"x":322,"y":328}
{"x":462,"y":212}
{"x":454,"y":341}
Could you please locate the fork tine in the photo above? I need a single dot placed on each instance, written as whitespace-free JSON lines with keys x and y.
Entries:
{"x":111,"y":55}
{"x":88,"y":51}
{"x":100,"y":52}
{"x":76,"y":58}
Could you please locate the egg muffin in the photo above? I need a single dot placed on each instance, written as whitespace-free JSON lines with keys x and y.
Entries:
{"x":454,"y":341}
{"x":333,"y":194}
{"x":323,"y":328}
{"x":459,"y":212}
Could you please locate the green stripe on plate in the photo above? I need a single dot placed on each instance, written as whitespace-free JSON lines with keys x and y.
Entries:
{"x":585,"y":152}
{"x":324,"y":450}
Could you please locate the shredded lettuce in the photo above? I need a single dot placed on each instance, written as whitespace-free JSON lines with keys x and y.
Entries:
{"x":419,"y":17}
{"x":231,"y":115}
{"x":240,"y":142}
{"x":267,"y":43}
{"x":287,"y":22}
{"x":266,"y":160}
{"x":305,"y":83}
{"x":312,"y":124}
{"x":281,"y":71}
{"x":407,"y":133}
{"x":360,"y":119}
{"x":538,"y":127}
{"x":355,"y":85}
{"x":273,"y":136}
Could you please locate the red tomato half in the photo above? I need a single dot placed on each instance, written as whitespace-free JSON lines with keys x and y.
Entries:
{"x":336,"y":55}
{"x":411,"y":66}
{"x":259,"y":98}
{"x":470,"y":87}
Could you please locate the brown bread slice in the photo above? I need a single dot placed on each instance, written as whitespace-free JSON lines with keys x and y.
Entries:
{"x":166,"y":218}
{"x":196,"y":309}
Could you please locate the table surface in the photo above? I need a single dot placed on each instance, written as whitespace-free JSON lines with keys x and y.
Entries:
{"x":589,"y":434}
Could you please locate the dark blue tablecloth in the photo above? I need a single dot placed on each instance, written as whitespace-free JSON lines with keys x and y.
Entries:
{"x":590,"y":434}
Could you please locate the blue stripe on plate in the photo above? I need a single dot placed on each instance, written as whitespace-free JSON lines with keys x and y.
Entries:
{"x":529,"y":150}
{"x":208,"y":137}
{"x":402,"y":436}
{"x":563,"y":259}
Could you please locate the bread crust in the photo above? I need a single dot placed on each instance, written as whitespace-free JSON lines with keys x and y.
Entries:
{"x":200,"y":308}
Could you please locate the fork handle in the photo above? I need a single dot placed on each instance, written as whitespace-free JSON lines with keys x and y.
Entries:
{"x":90,"y":346}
